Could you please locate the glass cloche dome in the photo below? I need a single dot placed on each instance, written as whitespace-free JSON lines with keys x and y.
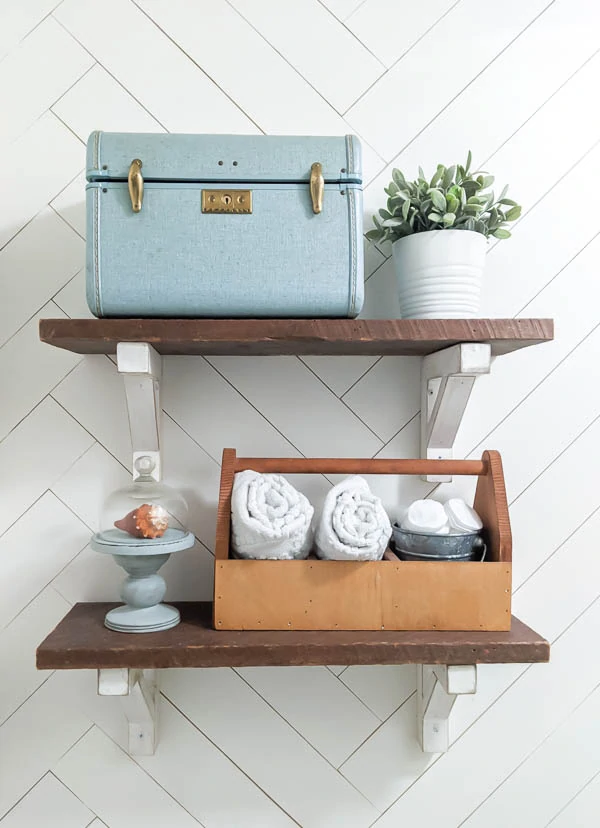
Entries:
{"x":143,"y":514}
{"x":140,"y":526}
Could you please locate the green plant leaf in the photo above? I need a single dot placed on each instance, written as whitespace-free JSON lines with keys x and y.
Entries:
{"x":471,"y":186}
{"x":452,"y":203}
{"x":453,"y":197}
{"x":513,"y":213}
{"x":501,"y":233}
{"x":373,"y":235}
{"x":438,"y":200}
{"x":398,"y":178}
{"x":437,"y":175}
{"x":448,"y":177}
{"x":489,"y":200}
{"x":485,"y":181}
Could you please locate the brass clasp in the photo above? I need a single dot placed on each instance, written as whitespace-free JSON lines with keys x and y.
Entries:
{"x":135,"y":180}
{"x":317,"y":187}
{"x":227,"y":201}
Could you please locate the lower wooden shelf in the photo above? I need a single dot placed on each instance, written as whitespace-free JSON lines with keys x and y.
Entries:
{"x":81,"y":641}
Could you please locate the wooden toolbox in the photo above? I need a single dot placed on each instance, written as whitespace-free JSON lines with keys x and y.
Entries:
{"x":369,"y":595}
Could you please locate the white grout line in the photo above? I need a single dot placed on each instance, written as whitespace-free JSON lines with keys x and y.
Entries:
{"x":483,"y":713}
{"x":344,"y":25}
{"x":370,"y":736}
{"x":481,"y":443}
{"x":291,"y":65}
{"x":229,"y":759}
{"x":16,"y":45}
{"x":472,"y":80}
{"x":252,"y":405}
{"x":302,"y":358}
{"x":133,"y":760}
{"x":572,"y":799}
{"x":108,"y":72}
{"x":529,"y":755}
{"x":197,"y":65}
{"x":280,"y":715}
{"x":400,"y":57}
{"x":558,"y":548}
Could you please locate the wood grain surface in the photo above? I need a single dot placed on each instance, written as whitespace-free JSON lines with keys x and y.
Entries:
{"x":350,"y":595}
{"x":293,"y":336}
{"x":351,"y":465}
{"x":362,"y":595}
{"x":81,"y":641}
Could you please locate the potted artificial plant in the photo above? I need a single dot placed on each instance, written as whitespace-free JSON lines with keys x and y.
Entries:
{"x":439,"y":230}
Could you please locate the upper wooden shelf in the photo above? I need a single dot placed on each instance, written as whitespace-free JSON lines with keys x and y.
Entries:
{"x":294,"y":336}
{"x":81,"y":641}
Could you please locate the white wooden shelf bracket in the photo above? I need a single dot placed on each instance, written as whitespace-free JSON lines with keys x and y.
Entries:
{"x":447,"y":379}
{"x":438,"y":686}
{"x":141,"y":366}
{"x":139,"y":693}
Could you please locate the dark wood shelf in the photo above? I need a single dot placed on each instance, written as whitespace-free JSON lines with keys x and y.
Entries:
{"x":81,"y":641}
{"x":294,"y":336}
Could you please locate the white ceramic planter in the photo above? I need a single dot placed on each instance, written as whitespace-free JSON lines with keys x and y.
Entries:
{"x":439,"y":274}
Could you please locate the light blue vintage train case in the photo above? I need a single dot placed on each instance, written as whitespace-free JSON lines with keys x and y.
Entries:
{"x":224,"y":225}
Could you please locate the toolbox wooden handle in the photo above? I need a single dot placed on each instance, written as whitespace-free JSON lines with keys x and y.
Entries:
{"x":490,"y":496}
{"x":336,"y":465}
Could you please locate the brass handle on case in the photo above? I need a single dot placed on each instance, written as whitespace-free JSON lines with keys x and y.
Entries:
{"x":135,"y":180}
{"x":317,"y":187}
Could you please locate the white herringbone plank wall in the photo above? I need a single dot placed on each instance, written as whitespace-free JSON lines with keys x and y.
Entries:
{"x":316,"y":747}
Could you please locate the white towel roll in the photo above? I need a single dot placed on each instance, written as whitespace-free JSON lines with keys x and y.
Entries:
{"x":269,"y":518}
{"x":462,"y":517}
{"x":426,"y":516}
{"x":354,"y":525}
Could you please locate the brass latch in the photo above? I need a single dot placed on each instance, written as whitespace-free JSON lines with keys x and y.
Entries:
{"x":226,"y":201}
{"x":317,"y":187}
{"x":135,"y":180}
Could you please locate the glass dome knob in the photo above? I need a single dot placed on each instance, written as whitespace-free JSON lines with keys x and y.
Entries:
{"x":144,"y":465}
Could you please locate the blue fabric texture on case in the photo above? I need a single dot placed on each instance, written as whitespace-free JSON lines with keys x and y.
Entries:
{"x":171,"y":259}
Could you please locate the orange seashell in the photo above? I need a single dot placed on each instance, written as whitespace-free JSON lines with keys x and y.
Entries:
{"x":146,"y":521}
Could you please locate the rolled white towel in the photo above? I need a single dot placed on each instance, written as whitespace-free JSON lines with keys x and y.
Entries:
{"x":353,"y":525}
{"x":269,"y":518}
{"x":426,"y":516}
{"x":462,"y":517}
